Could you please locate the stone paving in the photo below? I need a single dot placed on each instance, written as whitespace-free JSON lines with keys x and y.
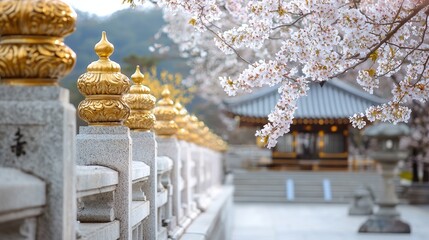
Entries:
{"x":317,"y":222}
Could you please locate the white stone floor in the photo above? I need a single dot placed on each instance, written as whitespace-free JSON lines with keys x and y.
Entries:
{"x":317,"y":222}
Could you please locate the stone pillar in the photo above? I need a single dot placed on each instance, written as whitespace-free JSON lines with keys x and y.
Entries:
{"x":388,"y":154}
{"x":182,"y":120}
{"x":192,"y":129}
{"x":106,"y":141}
{"x":196,"y":155}
{"x":165,"y":129}
{"x":141,"y":121}
{"x":37,"y":123}
{"x":203,"y":166}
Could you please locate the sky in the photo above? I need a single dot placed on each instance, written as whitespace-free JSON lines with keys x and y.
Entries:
{"x":98,"y":7}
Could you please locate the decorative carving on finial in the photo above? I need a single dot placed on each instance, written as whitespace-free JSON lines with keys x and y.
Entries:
{"x":141,"y":103}
{"x":32,"y":51}
{"x":192,"y":128}
{"x":182,"y":120}
{"x":165,"y":113}
{"x":103,"y":86}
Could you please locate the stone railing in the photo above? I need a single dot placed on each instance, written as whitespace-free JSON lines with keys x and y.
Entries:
{"x":22,"y":198}
{"x":125,"y":175}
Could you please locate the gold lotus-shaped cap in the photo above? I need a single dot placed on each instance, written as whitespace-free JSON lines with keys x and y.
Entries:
{"x":165,"y":113}
{"x":36,"y":17}
{"x":193,"y":129}
{"x":32,"y":51}
{"x":138,"y":87}
{"x":166,"y":100}
{"x":141,"y":103}
{"x":182,"y":120}
{"x":103,"y":76}
{"x":203,"y":130}
{"x":104,"y":49}
{"x":103,"y":86}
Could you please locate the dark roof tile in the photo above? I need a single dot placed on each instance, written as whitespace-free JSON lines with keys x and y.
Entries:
{"x":336,"y":99}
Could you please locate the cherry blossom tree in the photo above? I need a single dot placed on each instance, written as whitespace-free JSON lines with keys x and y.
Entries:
{"x":292,"y":43}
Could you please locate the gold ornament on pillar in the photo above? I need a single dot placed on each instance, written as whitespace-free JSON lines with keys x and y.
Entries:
{"x":103,"y":86}
{"x":165,"y":113}
{"x":32,"y":51}
{"x":141,"y":103}
{"x":205,"y":136}
{"x":214,"y":144}
{"x":192,"y":128}
{"x":182,"y":120}
{"x":202,"y":130}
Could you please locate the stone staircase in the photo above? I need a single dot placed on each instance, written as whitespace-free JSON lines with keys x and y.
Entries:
{"x":301,"y":187}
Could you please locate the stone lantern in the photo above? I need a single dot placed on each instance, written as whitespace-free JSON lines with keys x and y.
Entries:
{"x":387,"y":154}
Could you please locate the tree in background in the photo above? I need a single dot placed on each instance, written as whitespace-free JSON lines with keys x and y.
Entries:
{"x":145,"y":62}
{"x":312,"y":41}
{"x":156,"y":81}
{"x":179,"y":91}
{"x":419,"y":140}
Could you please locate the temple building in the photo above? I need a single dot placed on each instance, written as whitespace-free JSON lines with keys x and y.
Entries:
{"x":319,"y":136}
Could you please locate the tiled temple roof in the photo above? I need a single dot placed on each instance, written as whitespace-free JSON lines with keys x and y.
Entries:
{"x":336,"y":99}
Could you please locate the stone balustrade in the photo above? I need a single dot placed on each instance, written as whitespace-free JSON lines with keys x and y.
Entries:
{"x":22,"y":198}
{"x":95,"y":186}
{"x":125,"y":175}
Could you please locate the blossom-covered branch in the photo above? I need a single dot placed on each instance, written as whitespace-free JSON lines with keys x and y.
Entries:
{"x":294,"y":42}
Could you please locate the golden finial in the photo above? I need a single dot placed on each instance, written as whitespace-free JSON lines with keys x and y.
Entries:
{"x":166,"y":93}
{"x":141,"y":103}
{"x":182,"y":120}
{"x":200,"y":140}
{"x":165,"y":113}
{"x":138,"y":77}
{"x":205,"y":131}
{"x":103,"y":86}
{"x":32,"y":50}
{"x":211,"y":140}
{"x":104,"y":48}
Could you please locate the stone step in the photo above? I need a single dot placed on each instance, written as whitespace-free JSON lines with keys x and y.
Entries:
{"x":297,"y":194}
{"x":308,"y":186}
{"x":302,"y":183}
{"x":314,"y":185}
{"x":284,"y":200}
{"x":280,"y":194}
{"x":304,"y":177}
{"x":301,"y":173}
{"x":367,"y":178}
{"x":298,"y":187}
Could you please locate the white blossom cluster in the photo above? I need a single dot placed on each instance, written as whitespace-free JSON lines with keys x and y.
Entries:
{"x":320,"y":39}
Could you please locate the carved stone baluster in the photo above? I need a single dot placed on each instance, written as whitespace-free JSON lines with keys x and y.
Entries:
{"x":96,"y":208}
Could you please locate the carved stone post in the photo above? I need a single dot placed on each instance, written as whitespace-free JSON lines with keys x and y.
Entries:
{"x":182,"y":120}
{"x":165,"y":129}
{"x":203,"y":168}
{"x":192,"y":137}
{"x":106,"y":141}
{"x":141,"y":121}
{"x":388,"y":154}
{"x":37,"y":123}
